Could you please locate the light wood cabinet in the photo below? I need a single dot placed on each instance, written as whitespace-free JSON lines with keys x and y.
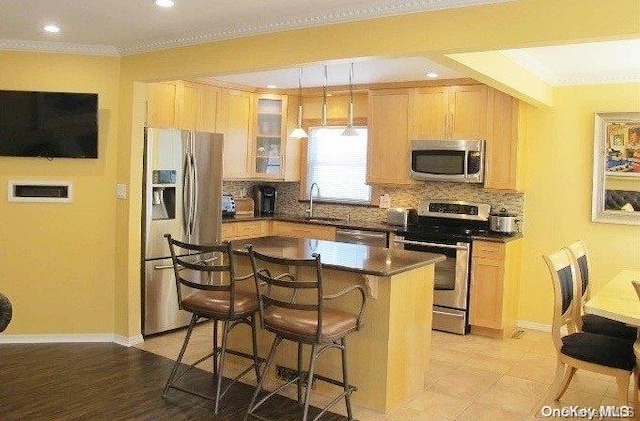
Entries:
{"x":161,"y":104}
{"x":182,"y":105}
{"x":301,"y":230}
{"x":267,"y":149}
{"x":245,"y":229}
{"x":493,"y":298}
{"x":388,"y":147}
{"x":234,"y":119}
{"x":505,"y":148}
{"x":449,"y":112}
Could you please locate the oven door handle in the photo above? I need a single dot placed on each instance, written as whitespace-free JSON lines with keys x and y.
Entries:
{"x":420,"y":243}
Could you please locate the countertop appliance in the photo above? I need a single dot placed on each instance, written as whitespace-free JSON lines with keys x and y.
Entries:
{"x":228,"y":206}
{"x":447,"y":227}
{"x":448,"y":160}
{"x":182,"y":196}
{"x":503,"y":222}
{"x":400,"y":217}
{"x":365,"y":237}
{"x":265,"y":200}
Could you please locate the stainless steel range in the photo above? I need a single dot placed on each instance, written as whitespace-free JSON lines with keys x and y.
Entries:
{"x":447,"y":227}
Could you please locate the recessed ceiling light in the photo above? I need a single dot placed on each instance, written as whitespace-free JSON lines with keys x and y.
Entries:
{"x":52,"y":28}
{"x":164,"y":3}
{"x":271,"y":86}
{"x":432,"y":74}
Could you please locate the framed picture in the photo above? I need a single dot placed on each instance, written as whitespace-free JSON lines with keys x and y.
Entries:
{"x":616,"y":168}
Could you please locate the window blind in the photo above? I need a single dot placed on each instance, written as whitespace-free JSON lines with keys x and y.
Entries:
{"x":338,"y":164}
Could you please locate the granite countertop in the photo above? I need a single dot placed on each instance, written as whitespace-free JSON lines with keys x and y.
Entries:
{"x":497,"y":237}
{"x":341,"y":256}
{"x":338,"y":223}
{"x":365,"y":225}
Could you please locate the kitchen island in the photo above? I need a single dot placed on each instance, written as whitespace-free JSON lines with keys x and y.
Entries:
{"x":389,"y":356}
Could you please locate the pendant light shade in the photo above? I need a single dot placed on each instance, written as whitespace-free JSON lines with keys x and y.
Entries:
{"x":350,"y":130}
{"x":299,"y":132}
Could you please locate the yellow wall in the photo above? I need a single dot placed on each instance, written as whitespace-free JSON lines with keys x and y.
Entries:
{"x":61,"y":262}
{"x":58,"y":260}
{"x":558,"y":198}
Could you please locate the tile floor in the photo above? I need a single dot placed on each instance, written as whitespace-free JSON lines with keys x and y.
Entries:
{"x":470,"y":378}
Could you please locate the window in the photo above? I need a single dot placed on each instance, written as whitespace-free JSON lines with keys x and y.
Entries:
{"x":338,"y":164}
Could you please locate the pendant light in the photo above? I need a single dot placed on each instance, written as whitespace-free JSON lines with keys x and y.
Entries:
{"x":350,"y":130}
{"x":324,"y":99}
{"x":298,"y":132}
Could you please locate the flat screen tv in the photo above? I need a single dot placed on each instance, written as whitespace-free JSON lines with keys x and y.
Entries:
{"x":48,"y":124}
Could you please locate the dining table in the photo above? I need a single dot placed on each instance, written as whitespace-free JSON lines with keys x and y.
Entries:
{"x":617,"y":299}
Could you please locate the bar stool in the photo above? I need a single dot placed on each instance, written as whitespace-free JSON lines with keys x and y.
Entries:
{"x":209,"y":271}
{"x":292,"y":306}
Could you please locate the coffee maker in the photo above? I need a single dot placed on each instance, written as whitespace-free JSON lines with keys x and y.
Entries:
{"x":265,"y":199}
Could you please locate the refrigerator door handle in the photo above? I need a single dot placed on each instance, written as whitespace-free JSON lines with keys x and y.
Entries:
{"x":195,"y":188}
{"x":186,"y":202}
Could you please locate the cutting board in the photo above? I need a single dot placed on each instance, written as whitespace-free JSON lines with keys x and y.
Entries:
{"x":244,"y":206}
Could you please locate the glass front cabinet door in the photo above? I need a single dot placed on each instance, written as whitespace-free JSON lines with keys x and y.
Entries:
{"x":270,"y":136}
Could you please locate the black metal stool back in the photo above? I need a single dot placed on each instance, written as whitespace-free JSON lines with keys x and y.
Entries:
{"x":203,"y":267}
{"x":283,"y":290}
{"x":209,"y":271}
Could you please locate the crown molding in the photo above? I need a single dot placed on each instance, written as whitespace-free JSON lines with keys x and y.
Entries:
{"x":58,"y":47}
{"x":525,"y":60}
{"x":389,"y":8}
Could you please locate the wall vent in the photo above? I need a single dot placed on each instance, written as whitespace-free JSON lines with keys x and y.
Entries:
{"x":40,"y":191}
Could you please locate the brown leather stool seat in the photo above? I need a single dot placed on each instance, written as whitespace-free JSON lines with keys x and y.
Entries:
{"x":216,"y":304}
{"x":292,"y":305}
{"x":209,"y":271}
{"x":301,"y":326}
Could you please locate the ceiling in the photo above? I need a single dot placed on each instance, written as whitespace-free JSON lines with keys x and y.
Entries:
{"x":123,"y":27}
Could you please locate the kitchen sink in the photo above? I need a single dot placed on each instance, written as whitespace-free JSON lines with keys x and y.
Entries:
{"x":323,"y":219}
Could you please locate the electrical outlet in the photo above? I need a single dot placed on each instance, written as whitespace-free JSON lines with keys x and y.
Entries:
{"x":121,"y":191}
{"x":286,"y":374}
{"x":385,"y":201}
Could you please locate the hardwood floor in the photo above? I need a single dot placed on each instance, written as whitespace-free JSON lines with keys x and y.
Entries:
{"x":112,"y":382}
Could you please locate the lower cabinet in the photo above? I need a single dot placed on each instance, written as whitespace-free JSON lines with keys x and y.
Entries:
{"x":494,"y":295}
{"x":301,"y":230}
{"x":245,"y":229}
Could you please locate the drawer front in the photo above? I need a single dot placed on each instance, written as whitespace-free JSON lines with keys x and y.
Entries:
{"x":251,"y":229}
{"x":488,"y":250}
{"x":229,"y":230}
{"x":288,"y":229}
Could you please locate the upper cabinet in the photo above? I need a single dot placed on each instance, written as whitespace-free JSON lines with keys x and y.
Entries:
{"x":234,"y":119}
{"x":388,"y":147}
{"x":505,"y":148}
{"x":182,"y":105}
{"x":449,"y":112}
{"x":267,"y":150}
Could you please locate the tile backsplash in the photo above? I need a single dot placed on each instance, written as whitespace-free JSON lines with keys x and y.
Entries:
{"x":401,"y":196}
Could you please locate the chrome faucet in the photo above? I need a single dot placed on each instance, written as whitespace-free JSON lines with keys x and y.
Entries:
{"x":310,"y":210}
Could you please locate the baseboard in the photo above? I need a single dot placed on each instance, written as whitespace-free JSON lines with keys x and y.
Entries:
{"x":525,"y":324}
{"x":70,"y":338}
{"x":128,"y":341}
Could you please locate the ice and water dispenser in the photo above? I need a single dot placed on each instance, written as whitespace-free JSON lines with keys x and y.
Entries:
{"x":163,"y":196}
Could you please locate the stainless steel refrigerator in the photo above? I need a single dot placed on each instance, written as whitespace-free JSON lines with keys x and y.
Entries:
{"x":182,"y":196}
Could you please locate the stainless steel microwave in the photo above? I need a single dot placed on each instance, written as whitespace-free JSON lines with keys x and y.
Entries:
{"x":448,"y":160}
